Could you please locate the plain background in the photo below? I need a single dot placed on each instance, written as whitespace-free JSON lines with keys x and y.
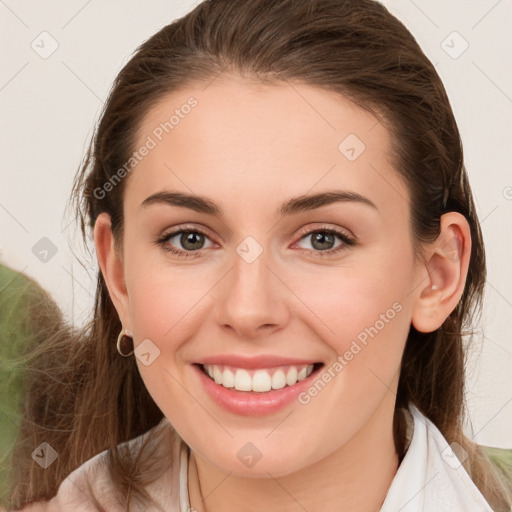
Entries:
{"x":49,"y":107}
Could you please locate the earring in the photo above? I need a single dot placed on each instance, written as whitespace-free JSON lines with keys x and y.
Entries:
{"x":124,"y":343}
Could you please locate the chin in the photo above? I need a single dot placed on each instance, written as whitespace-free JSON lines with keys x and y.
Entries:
{"x":259,"y":459}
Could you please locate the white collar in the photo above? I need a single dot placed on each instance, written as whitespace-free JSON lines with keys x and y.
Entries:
{"x":430,"y":477}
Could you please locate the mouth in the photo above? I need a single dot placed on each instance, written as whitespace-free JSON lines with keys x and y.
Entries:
{"x":258,"y":380}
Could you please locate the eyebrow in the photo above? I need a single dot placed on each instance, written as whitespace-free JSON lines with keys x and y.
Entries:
{"x":292,"y":206}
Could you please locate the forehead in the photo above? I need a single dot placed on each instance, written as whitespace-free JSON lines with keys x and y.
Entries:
{"x":246,"y":142}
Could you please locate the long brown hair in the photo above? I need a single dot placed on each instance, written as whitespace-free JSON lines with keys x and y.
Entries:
{"x":352,"y":47}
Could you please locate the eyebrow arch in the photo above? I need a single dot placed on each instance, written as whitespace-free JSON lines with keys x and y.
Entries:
{"x":291,"y":206}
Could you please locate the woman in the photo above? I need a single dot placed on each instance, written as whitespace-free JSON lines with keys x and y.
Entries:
{"x":289,"y":254}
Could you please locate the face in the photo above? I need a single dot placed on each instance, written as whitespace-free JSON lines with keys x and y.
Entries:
{"x":260,"y":285}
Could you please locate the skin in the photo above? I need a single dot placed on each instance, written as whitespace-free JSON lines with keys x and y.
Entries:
{"x":249,"y":148}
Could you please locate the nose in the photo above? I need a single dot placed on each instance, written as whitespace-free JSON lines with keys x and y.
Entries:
{"x":253,"y":300}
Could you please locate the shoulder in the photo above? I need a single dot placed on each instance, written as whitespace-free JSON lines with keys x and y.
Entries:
{"x":90,"y":483}
{"x":76,"y":490}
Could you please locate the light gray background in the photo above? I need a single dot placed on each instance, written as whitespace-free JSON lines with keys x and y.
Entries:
{"x":49,"y":107}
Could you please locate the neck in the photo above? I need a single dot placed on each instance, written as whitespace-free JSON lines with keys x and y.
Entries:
{"x":339,"y":482}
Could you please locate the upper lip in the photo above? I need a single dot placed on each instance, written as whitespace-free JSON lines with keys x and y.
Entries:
{"x":263,"y":361}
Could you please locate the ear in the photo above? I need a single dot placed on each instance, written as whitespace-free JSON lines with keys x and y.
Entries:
{"x":111,"y":266}
{"x":443,"y":273}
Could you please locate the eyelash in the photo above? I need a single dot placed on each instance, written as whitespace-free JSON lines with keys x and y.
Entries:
{"x":347,"y":241}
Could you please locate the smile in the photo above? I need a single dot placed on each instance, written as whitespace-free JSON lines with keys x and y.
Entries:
{"x":256,"y":385}
{"x":259,"y":380}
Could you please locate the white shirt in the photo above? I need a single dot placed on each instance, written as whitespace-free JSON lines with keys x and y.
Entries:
{"x":430,"y":478}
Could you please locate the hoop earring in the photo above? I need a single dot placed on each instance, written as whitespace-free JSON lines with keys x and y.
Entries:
{"x":124,"y":343}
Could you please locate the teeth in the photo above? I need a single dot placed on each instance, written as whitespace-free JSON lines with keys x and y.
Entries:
{"x":278,"y":380}
{"x":261,"y":380}
{"x":242,"y":381}
{"x":302,"y":374}
{"x":291,"y":376}
{"x":217,"y":375}
{"x":228,"y":379}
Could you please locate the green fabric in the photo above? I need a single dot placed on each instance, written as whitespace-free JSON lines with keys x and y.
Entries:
{"x":500,"y":457}
{"x":16,"y":295}
{"x":502,"y":460}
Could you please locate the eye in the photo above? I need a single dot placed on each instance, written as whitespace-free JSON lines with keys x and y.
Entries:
{"x":191,"y":240}
{"x":323,"y":240}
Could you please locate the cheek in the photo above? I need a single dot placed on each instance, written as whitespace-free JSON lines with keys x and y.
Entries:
{"x":363,"y":313}
{"x":164,"y":299}
{"x":164,"y":305}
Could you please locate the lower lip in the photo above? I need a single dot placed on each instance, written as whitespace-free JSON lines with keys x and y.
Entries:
{"x":252,"y":403}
